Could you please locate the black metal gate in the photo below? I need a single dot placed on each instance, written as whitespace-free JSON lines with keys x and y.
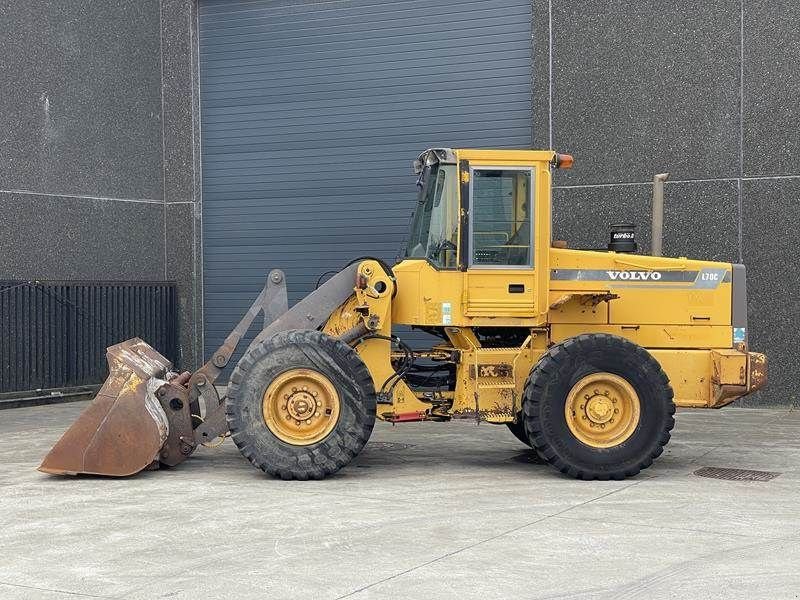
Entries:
{"x":53,"y":334}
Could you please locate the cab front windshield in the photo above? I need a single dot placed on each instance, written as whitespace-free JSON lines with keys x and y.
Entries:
{"x":434,"y":230}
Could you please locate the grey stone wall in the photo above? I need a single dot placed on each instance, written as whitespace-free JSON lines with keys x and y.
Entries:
{"x":97,"y":115}
{"x":707,"y":91}
{"x":99,"y":141}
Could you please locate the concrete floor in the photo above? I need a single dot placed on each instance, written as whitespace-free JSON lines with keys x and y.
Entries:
{"x":445,"y":511}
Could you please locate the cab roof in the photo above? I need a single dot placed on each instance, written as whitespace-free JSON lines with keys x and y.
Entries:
{"x":453,"y":155}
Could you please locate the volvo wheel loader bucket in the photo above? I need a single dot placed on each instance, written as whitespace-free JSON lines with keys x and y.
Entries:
{"x":122,"y":431}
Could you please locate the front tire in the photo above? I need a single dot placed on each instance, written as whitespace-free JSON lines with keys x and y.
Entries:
{"x":301,"y":405}
{"x":598,"y":406}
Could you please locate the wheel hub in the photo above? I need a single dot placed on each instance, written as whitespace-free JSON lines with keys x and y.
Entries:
{"x":602,"y":410}
{"x":599,"y":409}
{"x":301,"y":407}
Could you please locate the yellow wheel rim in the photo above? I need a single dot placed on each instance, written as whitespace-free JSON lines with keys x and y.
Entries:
{"x":602,"y":410}
{"x":301,"y":407}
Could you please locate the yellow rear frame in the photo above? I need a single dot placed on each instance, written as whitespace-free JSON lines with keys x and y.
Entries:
{"x":680,"y":310}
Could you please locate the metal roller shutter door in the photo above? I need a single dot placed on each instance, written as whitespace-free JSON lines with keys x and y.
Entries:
{"x":311,"y":113}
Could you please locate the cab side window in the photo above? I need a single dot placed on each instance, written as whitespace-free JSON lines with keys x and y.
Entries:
{"x":501,"y":217}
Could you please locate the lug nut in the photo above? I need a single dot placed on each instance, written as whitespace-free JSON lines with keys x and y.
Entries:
{"x":308,"y":421}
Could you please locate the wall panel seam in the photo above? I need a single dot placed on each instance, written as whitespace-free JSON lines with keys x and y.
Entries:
{"x":80,"y":196}
{"x":671,"y":181}
{"x":740,"y":199}
{"x":163,"y":133}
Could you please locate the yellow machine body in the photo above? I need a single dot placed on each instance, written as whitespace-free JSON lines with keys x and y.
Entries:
{"x":510,"y":308}
{"x":682,"y":311}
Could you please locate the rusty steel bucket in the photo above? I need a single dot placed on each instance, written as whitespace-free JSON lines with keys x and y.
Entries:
{"x":122,"y":431}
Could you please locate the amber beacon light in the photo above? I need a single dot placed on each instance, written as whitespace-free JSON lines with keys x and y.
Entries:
{"x":564,"y":161}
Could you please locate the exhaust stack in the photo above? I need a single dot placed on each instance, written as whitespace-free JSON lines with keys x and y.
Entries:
{"x":657,"y":232}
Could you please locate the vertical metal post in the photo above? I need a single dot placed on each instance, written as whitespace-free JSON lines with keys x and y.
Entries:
{"x":657,"y":231}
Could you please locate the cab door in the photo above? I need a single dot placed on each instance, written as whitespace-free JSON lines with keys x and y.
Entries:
{"x":499,"y":204}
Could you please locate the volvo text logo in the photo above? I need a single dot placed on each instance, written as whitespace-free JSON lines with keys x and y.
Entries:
{"x":634,"y":275}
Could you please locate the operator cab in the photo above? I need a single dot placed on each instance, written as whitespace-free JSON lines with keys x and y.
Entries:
{"x":496,"y":205}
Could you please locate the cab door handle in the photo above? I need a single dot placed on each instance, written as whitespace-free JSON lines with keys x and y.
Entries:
{"x":516,"y":288}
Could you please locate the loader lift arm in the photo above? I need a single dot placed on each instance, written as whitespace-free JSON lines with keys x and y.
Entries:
{"x":273,"y":301}
{"x":310,"y":313}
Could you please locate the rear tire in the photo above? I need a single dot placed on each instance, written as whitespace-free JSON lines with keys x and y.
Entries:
{"x":315,"y":376}
{"x":598,"y":406}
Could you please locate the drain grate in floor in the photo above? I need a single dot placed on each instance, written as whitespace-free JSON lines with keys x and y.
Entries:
{"x":735,"y":474}
{"x":388,"y":446}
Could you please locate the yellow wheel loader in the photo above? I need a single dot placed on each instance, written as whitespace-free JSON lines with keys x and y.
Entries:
{"x":583,"y":355}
